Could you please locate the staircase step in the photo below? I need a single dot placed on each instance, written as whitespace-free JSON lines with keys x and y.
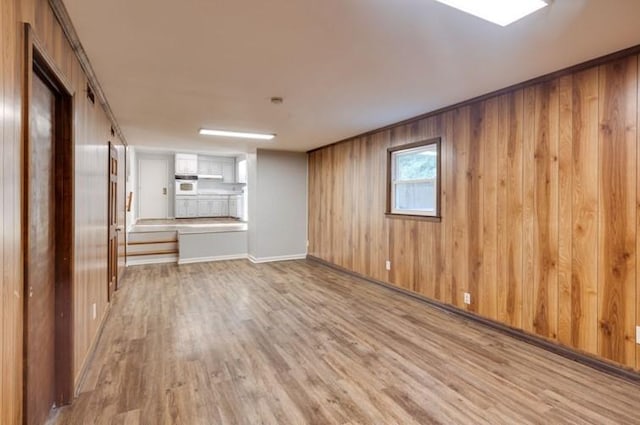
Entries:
{"x":143,"y":248}
{"x":164,"y":236}
{"x":158,"y":252}
{"x":150,"y":242}
{"x":152,"y":259}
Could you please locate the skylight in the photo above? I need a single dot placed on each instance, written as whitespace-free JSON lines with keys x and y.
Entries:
{"x":501,"y":12}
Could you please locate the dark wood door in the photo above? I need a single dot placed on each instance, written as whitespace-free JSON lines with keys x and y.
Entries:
{"x":40,"y":261}
{"x":113,"y":220}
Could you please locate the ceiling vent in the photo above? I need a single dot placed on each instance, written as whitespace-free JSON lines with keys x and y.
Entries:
{"x":90,"y":95}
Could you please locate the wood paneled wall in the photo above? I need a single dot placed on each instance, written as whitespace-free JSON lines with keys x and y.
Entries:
{"x":91,"y":134}
{"x":540,"y":200}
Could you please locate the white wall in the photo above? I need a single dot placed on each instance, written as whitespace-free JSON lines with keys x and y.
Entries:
{"x":197,"y":247}
{"x":252,"y":200}
{"x":277,"y":205}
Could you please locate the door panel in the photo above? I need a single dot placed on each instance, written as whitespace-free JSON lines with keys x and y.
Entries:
{"x":40,"y":262}
{"x":121,"y":197}
{"x":153,"y":188}
{"x":112,"y":270}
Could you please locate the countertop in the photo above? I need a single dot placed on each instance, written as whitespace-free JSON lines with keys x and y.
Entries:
{"x":218,"y":192}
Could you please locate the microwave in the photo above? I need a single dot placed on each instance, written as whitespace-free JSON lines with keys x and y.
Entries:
{"x":186,"y":185}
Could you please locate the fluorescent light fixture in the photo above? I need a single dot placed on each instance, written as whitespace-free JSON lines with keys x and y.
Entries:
{"x":501,"y":12}
{"x":223,"y":133}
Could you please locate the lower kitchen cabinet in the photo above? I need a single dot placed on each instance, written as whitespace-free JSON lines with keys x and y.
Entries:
{"x":205,"y":208}
{"x":208,"y":206}
{"x":220,"y":208}
{"x":186,"y":207}
{"x":213,"y":206}
{"x":233,"y":207}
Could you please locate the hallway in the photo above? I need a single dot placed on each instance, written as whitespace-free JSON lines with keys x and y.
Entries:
{"x":298,"y":343}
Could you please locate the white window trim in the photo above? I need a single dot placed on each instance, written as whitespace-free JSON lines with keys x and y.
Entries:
{"x":427,"y":213}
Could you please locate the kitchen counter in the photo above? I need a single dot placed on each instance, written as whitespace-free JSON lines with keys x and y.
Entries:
{"x":219,"y":192}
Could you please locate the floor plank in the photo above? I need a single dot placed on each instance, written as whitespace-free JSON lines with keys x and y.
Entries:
{"x":298,"y":343}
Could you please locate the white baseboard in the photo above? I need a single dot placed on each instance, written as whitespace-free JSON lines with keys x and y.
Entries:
{"x":151,"y":261}
{"x":278,"y":258}
{"x":210,"y":259}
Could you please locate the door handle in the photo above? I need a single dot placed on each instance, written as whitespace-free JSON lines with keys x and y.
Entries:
{"x":164,"y":190}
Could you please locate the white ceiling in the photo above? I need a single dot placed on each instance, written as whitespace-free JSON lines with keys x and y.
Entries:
{"x":344,"y":67}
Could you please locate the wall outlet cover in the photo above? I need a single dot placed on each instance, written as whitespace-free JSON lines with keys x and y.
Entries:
{"x":94,"y":311}
{"x":467,"y":298}
{"x":637,"y":334}
{"x":387,"y":265}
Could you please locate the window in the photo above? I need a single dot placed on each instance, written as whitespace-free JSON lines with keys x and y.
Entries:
{"x":414,"y":179}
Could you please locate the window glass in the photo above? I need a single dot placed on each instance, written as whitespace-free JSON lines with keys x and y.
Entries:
{"x":414,"y":179}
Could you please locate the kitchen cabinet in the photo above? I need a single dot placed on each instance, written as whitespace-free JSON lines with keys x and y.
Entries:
{"x":228,"y":172}
{"x":214,"y":167}
{"x":213,"y":206}
{"x":209,"y":166}
{"x":221,"y":207}
{"x":186,"y":207}
{"x":186,"y":164}
{"x":205,"y":208}
{"x":234,"y":210}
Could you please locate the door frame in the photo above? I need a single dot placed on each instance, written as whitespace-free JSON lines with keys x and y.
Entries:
{"x":112,"y":214}
{"x":38,"y":61}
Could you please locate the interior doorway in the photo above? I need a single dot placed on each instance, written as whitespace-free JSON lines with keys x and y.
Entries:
{"x":48,"y":237}
{"x":153,"y":176}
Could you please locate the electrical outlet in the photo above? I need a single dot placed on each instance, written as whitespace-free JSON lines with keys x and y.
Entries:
{"x":94,"y":311}
{"x":467,"y":298}
{"x":307,"y":243}
{"x":637,"y":334}
{"x":387,"y":265}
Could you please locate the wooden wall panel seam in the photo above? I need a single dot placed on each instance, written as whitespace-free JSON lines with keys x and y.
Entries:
{"x":3,"y":281}
{"x":617,"y":216}
{"x":637,"y":339}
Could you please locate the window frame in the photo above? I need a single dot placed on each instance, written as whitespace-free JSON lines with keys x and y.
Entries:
{"x":391,"y":212}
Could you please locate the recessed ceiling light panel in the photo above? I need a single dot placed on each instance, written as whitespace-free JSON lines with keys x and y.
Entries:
{"x":225,"y":133}
{"x":501,"y":12}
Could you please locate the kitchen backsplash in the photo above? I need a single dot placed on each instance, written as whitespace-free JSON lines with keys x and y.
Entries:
{"x":205,"y":185}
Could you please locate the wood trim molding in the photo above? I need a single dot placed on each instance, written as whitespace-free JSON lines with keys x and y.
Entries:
{"x":568,"y":353}
{"x":38,"y":55}
{"x":537,"y":80}
{"x":396,"y":216}
{"x":62,"y":15}
{"x":37,"y":60}
{"x":389,"y":208}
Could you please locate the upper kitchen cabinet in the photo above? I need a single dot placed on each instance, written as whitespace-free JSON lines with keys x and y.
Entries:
{"x":209,"y":166}
{"x":186,"y":164}
{"x":217,"y":168}
{"x":229,"y":172}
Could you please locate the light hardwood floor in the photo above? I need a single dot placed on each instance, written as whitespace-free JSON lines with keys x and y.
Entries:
{"x":298,"y":343}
